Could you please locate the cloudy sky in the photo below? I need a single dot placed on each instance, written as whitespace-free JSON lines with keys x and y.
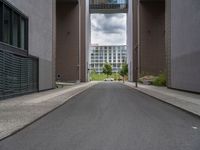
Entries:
{"x":108,"y":29}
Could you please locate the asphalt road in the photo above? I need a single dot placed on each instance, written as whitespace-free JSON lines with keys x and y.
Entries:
{"x":110,"y":116}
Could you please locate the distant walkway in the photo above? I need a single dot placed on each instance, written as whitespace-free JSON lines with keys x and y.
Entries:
{"x":110,"y":116}
{"x":184,"y":100}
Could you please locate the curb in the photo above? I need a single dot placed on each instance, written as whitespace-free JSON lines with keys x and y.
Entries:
{"x":47,"y":113}
{"x":164,"y":101}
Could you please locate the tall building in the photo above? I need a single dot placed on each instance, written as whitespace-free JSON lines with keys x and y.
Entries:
{"x":115,"y":55}
{"x":41,"y":42}
{"x":166,"y":34}
{"x":45,"y":41}
{"x":26,"y":49}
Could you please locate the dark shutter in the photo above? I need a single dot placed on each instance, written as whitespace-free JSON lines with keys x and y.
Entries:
{"x":18,"y":75}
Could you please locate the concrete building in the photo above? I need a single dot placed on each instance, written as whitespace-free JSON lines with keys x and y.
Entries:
{"x":45,"y":41}
{"x":41,"y":41}
{"x":27,"y":59}
{"x":72,"y":40}
{"x":166,"y":34}
{"x":115,"y":55}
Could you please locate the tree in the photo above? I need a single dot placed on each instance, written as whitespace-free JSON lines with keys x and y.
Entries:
{"x":107,"y":69}
{"x":124,"y":71}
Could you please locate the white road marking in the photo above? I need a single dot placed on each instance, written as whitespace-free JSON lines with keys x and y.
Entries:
{"x":195,"y":128}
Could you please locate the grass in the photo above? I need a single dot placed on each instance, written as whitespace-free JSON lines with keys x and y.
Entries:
{"x":101,"y":77}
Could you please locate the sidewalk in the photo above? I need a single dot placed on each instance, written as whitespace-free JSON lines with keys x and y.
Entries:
{"x":184,"y":100}
{"x":16,"y":113}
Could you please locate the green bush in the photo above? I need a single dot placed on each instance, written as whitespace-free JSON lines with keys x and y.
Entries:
{"x":100,"y":77}
{"x":161,"y":80}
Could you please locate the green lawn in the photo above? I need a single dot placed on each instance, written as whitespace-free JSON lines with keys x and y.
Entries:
{"x":101,"y":77}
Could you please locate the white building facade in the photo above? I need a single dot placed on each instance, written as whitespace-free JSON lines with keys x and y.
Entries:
{"x":114,"y":55}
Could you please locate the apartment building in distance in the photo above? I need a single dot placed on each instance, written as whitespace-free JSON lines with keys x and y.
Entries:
{"x":99,"y":55}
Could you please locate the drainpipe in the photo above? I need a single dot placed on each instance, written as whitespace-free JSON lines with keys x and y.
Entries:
{"x":138,"y":43}
{"x":80,"y":45}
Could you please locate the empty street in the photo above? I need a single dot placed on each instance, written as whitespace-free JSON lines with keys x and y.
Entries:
{"x":110,"y":116}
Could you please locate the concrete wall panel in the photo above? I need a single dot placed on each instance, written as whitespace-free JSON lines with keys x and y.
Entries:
{"x":67,"y":49}
{"x":185,"y":45}
{"x":130,"y":48}
{"x":40,"y":36}
{"x":84,"y":39}
{"x":152,"y":38}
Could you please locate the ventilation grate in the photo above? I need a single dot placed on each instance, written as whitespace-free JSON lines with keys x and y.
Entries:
{"x":18,"y":75}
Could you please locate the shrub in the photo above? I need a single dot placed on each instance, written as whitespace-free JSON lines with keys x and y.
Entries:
{"x":161,"y":80}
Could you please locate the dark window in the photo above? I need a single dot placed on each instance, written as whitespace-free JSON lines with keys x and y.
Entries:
{"x":15,"y":30}
{"x":7,"y":25}
{"x":13,"y":26}
{"x":22,"y":33}
{"x":1,"y":20}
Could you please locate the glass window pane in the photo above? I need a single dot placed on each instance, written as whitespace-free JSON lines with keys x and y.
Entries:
{"x":22,"y":34}
{"x":7,"y":26}
{"x":15,"y":36}
{"x":1,"y":21}
{"x":26,"y":34}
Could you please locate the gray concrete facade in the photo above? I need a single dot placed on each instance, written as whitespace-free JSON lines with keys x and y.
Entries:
{"x":184,"y":45}
{"x":67,"y":42}
{"x":130,"y":39}
{"x":152,"y":37}
{"x":57,"y":38}
{"x":40,"y":16}
{"x":72,"y":40}
{"x":168,"y":41}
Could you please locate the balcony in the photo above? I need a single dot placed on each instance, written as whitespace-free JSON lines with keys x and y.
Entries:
{"x":108,"y":6}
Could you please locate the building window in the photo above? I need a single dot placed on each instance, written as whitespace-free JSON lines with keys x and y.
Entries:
{"x":22,"y":34}
{"x":13,"y":27}
{"x":1,"y":21}
{"x":15,"y":30}
{"x":7,"y":25}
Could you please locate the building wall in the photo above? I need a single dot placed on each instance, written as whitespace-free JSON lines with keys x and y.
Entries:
{"x":152,"y":38}
{"x":67,"y":49}
{"x":87,"y":38}
{"x":84,"y":39}
{"x":135,"y":41}
{"x":40,"y":36}
{"x":184,"y":44}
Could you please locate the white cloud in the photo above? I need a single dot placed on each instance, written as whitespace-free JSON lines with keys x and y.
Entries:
{"x":108,"y":29}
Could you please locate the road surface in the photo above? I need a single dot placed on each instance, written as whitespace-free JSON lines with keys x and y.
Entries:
{"x":110,"y":116}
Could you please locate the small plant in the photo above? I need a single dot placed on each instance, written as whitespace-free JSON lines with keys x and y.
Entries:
{"x":124,"y":71}
{"x":107,"y":69}
{"x":161,"y":80}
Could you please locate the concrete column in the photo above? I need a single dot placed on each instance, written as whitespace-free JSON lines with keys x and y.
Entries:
{"x":130,"y":39}
{"x":84,"y":39}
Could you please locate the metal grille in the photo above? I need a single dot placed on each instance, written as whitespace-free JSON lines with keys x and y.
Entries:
{"x":18,"y":75}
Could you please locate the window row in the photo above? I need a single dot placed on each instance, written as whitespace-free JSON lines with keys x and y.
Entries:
{"x":13,"y":27}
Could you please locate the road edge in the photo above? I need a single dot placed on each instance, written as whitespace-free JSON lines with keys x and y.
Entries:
{"x":162,"y":100}
{"x":86,"y":87}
